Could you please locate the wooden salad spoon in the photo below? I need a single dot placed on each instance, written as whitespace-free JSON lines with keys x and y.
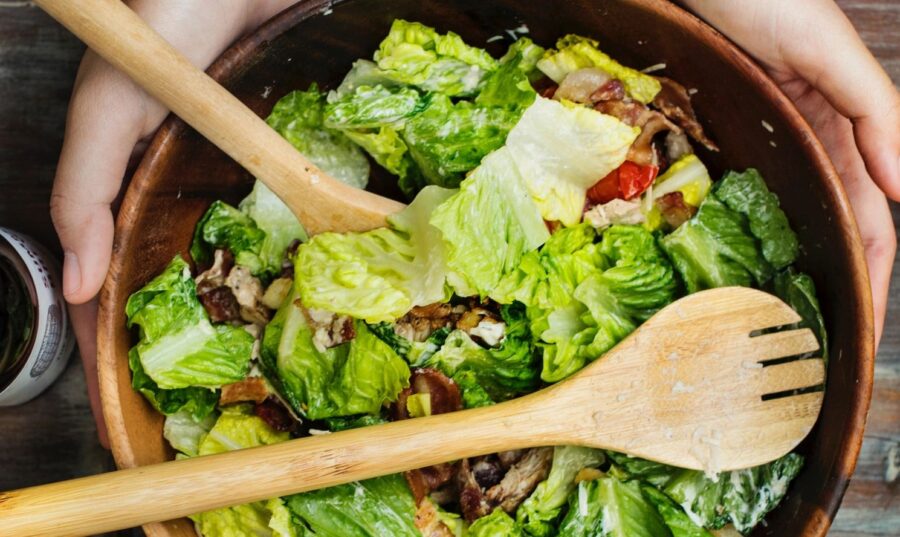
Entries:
{"x":692,"y":387}
{"x":320,"y":202}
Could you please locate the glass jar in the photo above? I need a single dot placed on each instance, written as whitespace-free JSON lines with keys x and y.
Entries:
{"x":35,"y":337}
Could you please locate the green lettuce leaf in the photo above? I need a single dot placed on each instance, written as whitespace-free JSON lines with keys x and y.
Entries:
{"x":417,"y":55}
{"x":299,"y":118}
{"x":510,"y":85}
{"x":715,"y":249}
{"x":390,"y":151}
{"x":184,"y":433}
{"x":369,"y":107}
{"x":356,"y":377}
{"x":196,"y":402}
{"x":496,"y":524}
{"x":687,"y":175}
{"x":362,"y":73}
{"x":178,"y":347}
{"x":377,"y":507}
{"x":353,"y":422}
{"x":381,"y":274}
{"x":577,"y":52}
{"x":747,"y":194}
{"x":277,"y":221}
{"x":740,"y":497}
{"x":582,"y":298}
{"x":539,"y":513}
{"x":502,"y":372}
{"x":223,"y":226}
{"x":259,"y":519}
{"x":488,"y":225}
{"x":799,"y":292}
{"x":473,"y":394}
{"x":678,"y":522}
{"x":561,"y":151}
{"x":237,"y":428}
{"x":608,"y":507}
{"x":447,"y":139}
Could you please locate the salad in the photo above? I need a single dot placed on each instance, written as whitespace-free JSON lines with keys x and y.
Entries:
{"x":556,"y":204}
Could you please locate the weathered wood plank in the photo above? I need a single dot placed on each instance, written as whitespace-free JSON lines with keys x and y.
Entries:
{"x":53,"y":437}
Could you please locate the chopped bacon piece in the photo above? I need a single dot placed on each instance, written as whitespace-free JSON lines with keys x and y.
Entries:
{"x":674,"y":210}
{"x":580,"y":85}
{"x":649,"y":121}
{"x":613,"y":90}
{"x":443,"y":392}
{"x":250,"y":389}
{"x":220,"y":305}
{"x":277,"y":416}
{"x":424,"y":480}
{"x":673,"y":100}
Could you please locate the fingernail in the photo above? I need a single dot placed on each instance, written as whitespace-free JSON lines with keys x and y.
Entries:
{"x":71,"y":274}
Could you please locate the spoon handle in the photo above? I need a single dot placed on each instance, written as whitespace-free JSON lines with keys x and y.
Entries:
{"x":165,"y":491}
{"x":117,"y":34}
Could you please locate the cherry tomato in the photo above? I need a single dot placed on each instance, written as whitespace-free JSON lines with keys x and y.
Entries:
{"x":627,"y":182}
{"x":634,"y":179}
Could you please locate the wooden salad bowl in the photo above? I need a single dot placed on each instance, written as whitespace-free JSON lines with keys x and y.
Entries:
{"x":317,"y":40}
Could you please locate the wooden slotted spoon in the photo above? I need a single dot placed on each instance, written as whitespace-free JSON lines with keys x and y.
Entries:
{"x":686,"y":389}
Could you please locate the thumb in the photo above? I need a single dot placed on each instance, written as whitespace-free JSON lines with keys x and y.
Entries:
{"x":104,"y":123}
{"x":854,"y":83}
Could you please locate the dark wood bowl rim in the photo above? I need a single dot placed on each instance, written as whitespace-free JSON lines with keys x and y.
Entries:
{"x":241,"y":54}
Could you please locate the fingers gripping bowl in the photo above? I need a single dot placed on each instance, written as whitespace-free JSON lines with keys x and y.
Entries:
{"x":314,"y":42}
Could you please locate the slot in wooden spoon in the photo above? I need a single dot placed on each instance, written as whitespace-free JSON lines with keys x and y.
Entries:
{"x":116,"y":33}
{"x":686,"y":389}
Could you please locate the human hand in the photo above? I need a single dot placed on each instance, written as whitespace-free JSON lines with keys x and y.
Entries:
{"x":110,"y":119}
{"x":812,"y":51}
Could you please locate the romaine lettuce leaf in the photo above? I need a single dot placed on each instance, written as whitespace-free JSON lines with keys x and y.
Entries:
{"x":488,"y":225}
{"x":510,"y":85}
{"x":370,"y":107}
{"x":799,"y":292}
{"x":223,"y":226}
{"x":259,"y":519}
{"x":185,"y":433}
{"x":178,"y":347}
{"x":381,"y":274}
{"x":353,"y":378}
{"x":447,"y":139}
{"x":237,"y":428}
{"x":416,"y":54}
{"x":560,"y":151}
{"x":715,"y":249}
{"x":678,"y":522}
{"x":503,"y":372}
{"x":362,"y":73}
{"x":538,"y":514}
{"x":277,"y":221}
{"x":299,"y":118}
{"x":608,"y":507}
{"x":746,"y":193}
{"x":197,"y":402}
{"x":390,"y":151}
{"x":373,"y":508}
{"x":496,"y":524}
{"x":687,"y":175}
{"x":740,"y":497}
{"x":582,"y":298}
{"x":473,"y":394}
{"x":577,"y":52}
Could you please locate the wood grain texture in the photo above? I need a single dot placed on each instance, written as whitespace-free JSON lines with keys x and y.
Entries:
{"x":629,"y":401}
{"x":52,"y":438}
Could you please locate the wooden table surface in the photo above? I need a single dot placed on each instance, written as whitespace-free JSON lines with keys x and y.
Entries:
{"x":54,"y":438}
